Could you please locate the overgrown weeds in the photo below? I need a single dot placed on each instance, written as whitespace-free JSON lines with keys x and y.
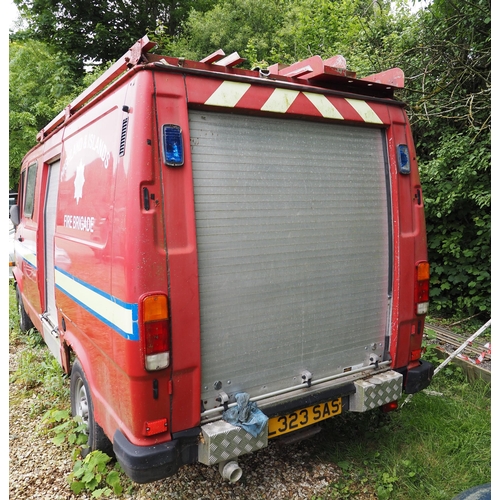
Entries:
{"x":434,"y":447}
{"x":39,"y":375}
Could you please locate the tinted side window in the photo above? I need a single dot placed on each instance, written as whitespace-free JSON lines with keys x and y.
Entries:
{"x":29,"y":198}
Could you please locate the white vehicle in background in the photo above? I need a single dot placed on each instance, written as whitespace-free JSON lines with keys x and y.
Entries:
{"x":11,"y":248}
{"x":12,"y":201}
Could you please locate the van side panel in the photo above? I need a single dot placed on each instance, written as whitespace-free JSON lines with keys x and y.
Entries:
{"x":102,"y":272}
{"x":83,"y":235}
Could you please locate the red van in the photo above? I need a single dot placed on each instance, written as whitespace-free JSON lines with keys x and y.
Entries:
{"x":220,"y":257}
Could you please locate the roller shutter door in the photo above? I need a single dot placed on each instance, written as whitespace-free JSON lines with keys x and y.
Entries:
{"x":293,"y":249}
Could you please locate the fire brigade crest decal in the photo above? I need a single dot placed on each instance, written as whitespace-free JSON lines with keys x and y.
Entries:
{"x":85,"y":150}
{"x":82,"y":166}
{"x":79,"y":181}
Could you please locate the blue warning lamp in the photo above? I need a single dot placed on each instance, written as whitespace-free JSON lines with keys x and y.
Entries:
{"x":173,"y":148}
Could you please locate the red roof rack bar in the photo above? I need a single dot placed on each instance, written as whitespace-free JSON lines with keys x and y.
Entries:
{"x":338,"y":62}
{"x":393,"y":77}
{"x":230,"y":60}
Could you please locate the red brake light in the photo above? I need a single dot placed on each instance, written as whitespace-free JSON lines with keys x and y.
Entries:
{"x":156,"y":336}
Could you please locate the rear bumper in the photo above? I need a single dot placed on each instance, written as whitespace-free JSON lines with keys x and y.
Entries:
{"x":418,"y":378}
{"x":145,"y":464}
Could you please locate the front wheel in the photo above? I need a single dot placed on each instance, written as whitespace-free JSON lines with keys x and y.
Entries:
{"x":81,"y":405}
{"x":25,"y":322}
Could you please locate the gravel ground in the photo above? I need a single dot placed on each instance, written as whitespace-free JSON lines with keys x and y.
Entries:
{"x":38,"y":468}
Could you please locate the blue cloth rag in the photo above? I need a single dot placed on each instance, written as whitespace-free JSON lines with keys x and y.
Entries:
{"x":246,"y":415}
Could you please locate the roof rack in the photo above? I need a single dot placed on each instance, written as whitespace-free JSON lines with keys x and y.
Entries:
{"x":321,"y":72}
{"x":312,"y":67}
{"x":328,"y":73}
{"x":127,"y":61}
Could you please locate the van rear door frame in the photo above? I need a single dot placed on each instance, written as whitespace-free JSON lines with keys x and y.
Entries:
{"x":49,"y":316}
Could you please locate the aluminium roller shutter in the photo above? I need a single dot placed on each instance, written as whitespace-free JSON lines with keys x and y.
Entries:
{"x":293,"y":249}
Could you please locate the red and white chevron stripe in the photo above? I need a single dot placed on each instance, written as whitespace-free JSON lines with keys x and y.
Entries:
{"x":263,"y":98}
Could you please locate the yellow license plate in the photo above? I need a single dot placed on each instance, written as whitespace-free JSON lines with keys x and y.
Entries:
{"x":304,"y":417}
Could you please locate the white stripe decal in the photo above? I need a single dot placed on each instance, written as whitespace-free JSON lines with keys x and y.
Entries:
{"x":367,"y":113}
{"x":280,"y":100}
{"x":118,"y":315}
{"x":26,"y":253}
{"x":228,"y":94}
{"x":324,"y":106}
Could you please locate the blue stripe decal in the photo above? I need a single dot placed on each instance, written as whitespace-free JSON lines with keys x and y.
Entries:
{"x":26,"y":254}
{"x":113,"y":312}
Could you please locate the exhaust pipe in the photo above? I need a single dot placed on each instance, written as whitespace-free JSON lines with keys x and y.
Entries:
{"x":230,"y":471}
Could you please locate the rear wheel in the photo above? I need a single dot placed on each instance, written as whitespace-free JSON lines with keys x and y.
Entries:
{"x":81,"y":405}
{"x":25,"y":322}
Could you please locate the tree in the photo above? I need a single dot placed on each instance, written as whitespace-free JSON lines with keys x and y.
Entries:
{"x":40,"y":85}
{"x":449,"y":63}
{"x":270,"y":31}
{"x":102,"y":30}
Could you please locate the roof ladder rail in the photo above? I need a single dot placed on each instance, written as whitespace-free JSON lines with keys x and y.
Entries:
{"x":313,"y":67}
{"x":215,"y":56}
{"x":127,"y":61}
{"x":230,"y":60}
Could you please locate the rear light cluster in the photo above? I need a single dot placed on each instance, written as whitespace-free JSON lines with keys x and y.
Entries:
{"x":422,"y":276}
{"x":155,"y":323}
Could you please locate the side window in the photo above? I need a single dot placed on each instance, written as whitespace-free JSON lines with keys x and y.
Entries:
{"x":29,"y":197}
{"x":20,"y":200}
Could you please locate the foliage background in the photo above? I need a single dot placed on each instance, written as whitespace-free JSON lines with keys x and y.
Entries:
{"x":444,"y":50}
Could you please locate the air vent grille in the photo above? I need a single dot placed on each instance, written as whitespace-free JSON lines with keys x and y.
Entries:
{"x":123,"y":136}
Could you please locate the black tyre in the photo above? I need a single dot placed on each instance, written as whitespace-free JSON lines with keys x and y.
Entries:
{"x":81,"y":405}
{"x":25,"y":322}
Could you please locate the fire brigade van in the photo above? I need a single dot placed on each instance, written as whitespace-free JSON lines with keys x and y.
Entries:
{"x":223,"y":257}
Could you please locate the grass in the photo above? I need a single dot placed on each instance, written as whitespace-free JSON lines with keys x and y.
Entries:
{"x":431,"y":448}
{"x":37,"y":371}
